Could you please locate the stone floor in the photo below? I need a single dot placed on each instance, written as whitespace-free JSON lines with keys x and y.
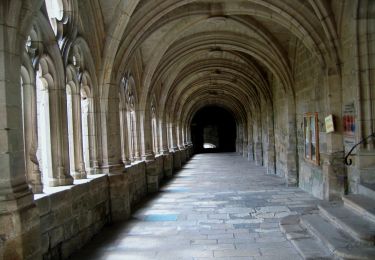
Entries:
{"x":219,"y":206}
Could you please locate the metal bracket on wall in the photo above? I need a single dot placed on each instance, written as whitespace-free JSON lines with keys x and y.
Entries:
{"x":348,"y":161}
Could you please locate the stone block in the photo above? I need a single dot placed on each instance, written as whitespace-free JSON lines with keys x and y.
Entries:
{"x":120,"y":209}
{"x":59,"y":198}
{"x":99,"y":212}
{"x":71,"y":228}
{"x":62,"y":214}
{"x":80,"y":190}
{"x":70,"y":246}
{"x":47,"y":222}
{"x":56,"y":236}
{"x":85,"y":220}
{"x":8,"y":225}
{"x":81,"y":204}
{"x":44,"y":241}
{"x":44,"y":205}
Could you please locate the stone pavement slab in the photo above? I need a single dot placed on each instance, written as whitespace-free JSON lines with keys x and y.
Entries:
{"x":218,"y":206}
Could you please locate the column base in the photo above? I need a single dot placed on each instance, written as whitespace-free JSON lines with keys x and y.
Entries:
{"x":37,"y":188}
{"x":113,"y":169}
{"x":78,"y":175}
{"x":148,"y":157}
{"x":127,"y":162}
{"x":54,"y":182}
{"x":20,"y":224}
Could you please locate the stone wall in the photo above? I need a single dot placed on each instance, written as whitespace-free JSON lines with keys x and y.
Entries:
{"x":309,"y":91}
{"x":71,"y":215}
{"x":310,"y":97}
{"x":136,"y":174}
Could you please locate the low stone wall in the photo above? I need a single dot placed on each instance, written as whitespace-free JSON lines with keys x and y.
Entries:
{"x":136,"y":175}
{"x":159,"y":161}
{"x":71,"y":215}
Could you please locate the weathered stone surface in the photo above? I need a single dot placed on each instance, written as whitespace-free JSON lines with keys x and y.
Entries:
{"x":197,"y":213}
{"x":92,"y":86}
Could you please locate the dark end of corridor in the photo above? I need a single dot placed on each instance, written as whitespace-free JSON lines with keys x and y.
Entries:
{"x":213,"y":129}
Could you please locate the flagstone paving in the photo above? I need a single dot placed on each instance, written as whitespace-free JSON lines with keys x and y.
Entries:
{"x":219,"y":206}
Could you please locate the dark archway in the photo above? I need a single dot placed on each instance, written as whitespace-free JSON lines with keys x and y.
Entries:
{"x":213,"y":129}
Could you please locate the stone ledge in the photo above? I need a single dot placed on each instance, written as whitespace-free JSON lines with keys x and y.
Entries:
{"x":52,"y":190}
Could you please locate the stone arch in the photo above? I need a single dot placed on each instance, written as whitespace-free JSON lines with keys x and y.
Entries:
{"x":45,"y":60}
{"x":55,"y":159}
{"x":89,"y":92}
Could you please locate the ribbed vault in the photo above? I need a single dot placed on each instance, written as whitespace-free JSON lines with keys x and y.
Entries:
{"x":224,"y":51}
{"x":187,"y":54}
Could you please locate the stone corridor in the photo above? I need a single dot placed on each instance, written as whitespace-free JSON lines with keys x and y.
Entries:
{"x":219,"y":206}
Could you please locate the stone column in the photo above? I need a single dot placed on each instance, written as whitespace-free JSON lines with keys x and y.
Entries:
{"x":181,"y":146}
{"x":124,"y":130}
{"x":19,"y":217}
{"x":94,"y":134}
{"x":250,"y":139}
{"x":163,"y":128}
{"x":334,"y":172}
{"x":167,"y":157}
{"x":152,"y":175}
{"x":291,"y":149}
{"x":258,"y":146}
{"x":175,"y":150}
{"x":59,"y":137}
{"x":271,"y":152}
{"x":78,"y":171}
{"x":89,"y":138}
{"x":244,"y":141}
{"x":146,"y":136}
{"x":111,"y":140}
{"x":34,"y":177}
{"x":137,"y":135}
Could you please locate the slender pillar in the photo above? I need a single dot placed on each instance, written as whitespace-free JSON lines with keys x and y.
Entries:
{"x":175,"y":150}
{"x":94,"y":123}
{"x":125,"y":138}
{"x":34,"y":177}
{"x":163,"y":128}
{"x":78,"y":171}
{"x":59,"y":137}
{"x":146,"y":136}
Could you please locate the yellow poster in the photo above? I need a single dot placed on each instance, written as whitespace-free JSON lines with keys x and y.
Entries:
{"x":329,"y":124}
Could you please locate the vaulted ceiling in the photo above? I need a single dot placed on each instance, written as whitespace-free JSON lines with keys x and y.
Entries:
{"x":193,"y":52}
